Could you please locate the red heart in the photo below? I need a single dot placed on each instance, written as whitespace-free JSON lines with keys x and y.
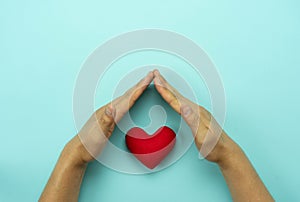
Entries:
{"x":150,"y":149}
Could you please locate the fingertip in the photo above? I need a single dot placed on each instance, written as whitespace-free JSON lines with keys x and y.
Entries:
{"x":158,"y":76}
{"x":148,"y":78}
{"x":157,"y":81}
{"x":156,"y":72}
{"x":150,"y":74}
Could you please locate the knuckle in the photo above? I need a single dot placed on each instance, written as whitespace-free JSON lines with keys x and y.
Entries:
{"x":105,"y":119}
{"x":199,"y":140}
{"x":173,"y":102}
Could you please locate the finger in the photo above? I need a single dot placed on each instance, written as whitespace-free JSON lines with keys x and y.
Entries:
{"x":105,"y":118}
{"x":167,"y":92}
{"x":126,"y":101}
{"x":189,"y":110}
{"x":175,"y":99}
{"x":108,"y":116}
{"x":136,"y":91}
{"x":192,"y":117}
{"x":165,"y":83}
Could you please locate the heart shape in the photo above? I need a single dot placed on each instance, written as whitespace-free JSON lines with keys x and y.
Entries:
{"x":150,"y":149}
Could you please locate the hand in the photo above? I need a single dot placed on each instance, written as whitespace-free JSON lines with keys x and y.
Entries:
{"x":92,"y":138}
{"x":210,"y":139}
{"x":243,"y":181}
{"x":64,"y":183}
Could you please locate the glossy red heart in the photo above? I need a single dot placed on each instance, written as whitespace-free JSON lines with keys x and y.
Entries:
{"x":150,"y":149}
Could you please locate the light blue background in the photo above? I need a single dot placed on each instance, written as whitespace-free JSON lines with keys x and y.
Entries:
{"x":254,"y":44}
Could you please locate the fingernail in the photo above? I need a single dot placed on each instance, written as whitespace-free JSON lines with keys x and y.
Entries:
{"x":186,"y":111}
{"x":108,"y":111}
{"x":156,"y":72}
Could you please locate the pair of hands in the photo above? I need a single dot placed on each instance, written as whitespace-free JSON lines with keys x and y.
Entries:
{"x":242,"y":179}
{"x":100,"y":126}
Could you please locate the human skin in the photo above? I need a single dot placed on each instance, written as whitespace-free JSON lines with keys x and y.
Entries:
{"x":65,"y":180}
{"x":241,"y":178}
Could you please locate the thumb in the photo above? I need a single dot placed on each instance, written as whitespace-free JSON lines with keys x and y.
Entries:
{"x":106,"y":120}
{"x":191,"y":117}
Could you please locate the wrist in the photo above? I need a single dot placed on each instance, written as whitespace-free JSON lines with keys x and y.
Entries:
{"x":75,"y":153}
{"x":230,"y":154}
